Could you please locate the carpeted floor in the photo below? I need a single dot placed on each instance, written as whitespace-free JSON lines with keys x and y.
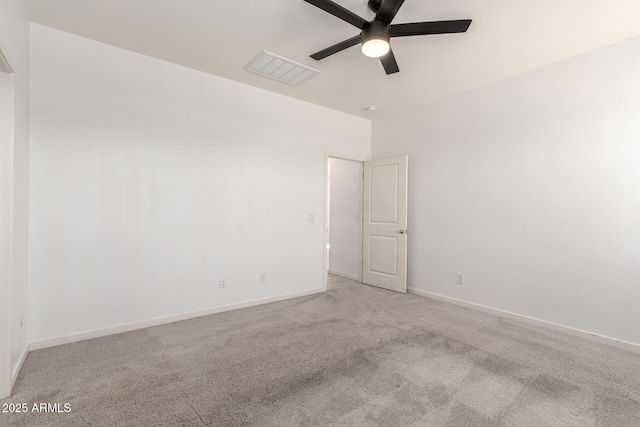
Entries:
{"x":353,"y":356}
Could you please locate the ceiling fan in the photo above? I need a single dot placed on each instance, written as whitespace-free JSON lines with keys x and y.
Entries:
{"x":375,"y":35}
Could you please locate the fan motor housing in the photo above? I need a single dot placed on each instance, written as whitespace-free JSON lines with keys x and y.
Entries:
{"x":375,"y":30}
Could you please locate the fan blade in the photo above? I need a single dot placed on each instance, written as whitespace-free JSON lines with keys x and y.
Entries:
{"x":339,"y":12}
{"x":388,"y":10}
{"x":434,"y":27}
{"x":389,"y":63}
{"x":337,"y":47}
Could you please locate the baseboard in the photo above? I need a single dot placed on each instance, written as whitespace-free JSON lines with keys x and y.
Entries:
{"x":530,"y":320}
{"x":18,"y":367}
{"x":66,"y":339}
{"x":345,"y":275}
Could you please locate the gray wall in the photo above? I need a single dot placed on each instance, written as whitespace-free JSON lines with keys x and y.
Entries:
{"x":152,"y":181}
{"x":530,"y":188}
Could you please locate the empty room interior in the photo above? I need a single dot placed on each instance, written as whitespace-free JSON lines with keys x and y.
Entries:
{"x":316,"y":212}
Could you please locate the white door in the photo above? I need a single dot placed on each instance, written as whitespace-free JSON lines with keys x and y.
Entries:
{"x":385,"y":224}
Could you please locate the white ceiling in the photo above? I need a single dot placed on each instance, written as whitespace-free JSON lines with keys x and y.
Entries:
{"x":507,"y":37}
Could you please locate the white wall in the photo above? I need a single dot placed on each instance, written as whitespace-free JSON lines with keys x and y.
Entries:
{"x":14,"y":43}
{"x":346,"y":201}
{"x":530,"y":188}
{"x":150,"y":181}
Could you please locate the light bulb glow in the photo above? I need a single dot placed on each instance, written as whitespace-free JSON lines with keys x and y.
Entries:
{"x":375,"y":48}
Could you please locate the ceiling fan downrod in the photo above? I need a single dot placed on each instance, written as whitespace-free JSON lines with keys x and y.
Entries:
{"x":374,"y":5}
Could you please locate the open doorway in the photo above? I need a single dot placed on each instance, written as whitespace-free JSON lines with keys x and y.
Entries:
{"x":367,"y":199}
{"x":343,"y":219}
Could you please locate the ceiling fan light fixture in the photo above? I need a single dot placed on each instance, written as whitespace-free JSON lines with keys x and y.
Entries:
{"x":375,"y":39}
{"x":375,"y":48}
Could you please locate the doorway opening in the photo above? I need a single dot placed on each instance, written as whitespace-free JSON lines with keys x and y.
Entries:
{"x":344,"y":185}
{"x":365,"y":229}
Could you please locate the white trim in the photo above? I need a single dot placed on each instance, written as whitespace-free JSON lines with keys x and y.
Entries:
{"x":345,"y":275}
{"x":531,"y":320}
{"x":325,"y":234}
{"x":51,"y":342}
{"x":7,"y":158}
{"x":18,"y":367}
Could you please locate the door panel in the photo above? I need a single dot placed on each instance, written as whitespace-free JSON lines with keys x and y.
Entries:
{"x":384,"y":179}
{"x":383,"y":255}
{"x":385,"y":223}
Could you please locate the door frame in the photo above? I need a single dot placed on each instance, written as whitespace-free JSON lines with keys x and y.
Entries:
{"x":7,"y":96}
{"x":327,"y":197}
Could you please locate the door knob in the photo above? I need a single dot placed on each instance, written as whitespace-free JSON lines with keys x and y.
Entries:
{"x":401,"y":231}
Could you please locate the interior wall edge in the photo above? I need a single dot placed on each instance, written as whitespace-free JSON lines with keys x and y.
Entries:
{"x":18,"y":366}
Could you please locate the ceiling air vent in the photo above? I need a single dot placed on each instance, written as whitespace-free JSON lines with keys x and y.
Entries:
{"x":276,"y":67}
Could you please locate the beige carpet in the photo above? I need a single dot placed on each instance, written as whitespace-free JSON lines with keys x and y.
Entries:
{"x":353,"y":356}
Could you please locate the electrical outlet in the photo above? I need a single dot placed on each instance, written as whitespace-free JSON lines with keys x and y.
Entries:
{"x":311,"y":218}
{"x":223,"y":282}
{"x":263,"y":277}
{"x":460,"y":279}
